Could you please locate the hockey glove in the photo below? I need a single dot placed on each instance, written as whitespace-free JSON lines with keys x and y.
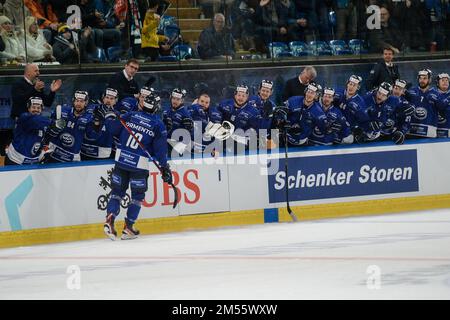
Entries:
{"x":398,"y":137}
{"x":295,"y":129}
{"x":168,"y":123}
{"x":166,"y":174}
{"x":60,"y":124}
{"x":409,"y":110}
{"x":335,"y":127}
{"x":267,"y":109}
{"x":358,"y":134}
{"x":187,"y":123}
{"x":374,"y":126}
{"x":100,"y":112}
{"x":280,"y":115}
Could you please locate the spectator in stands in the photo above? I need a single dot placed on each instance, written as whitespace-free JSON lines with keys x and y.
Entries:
{"x":216,"y":42}
{"x":345,"y":19}
{"x":124,"y":82}
{"x":104,"y":35}
{"x":31,"y":86}
{"x":151,"y":41}
{"x":296,"y":86}
{"x":46,"y":18}
{"x":243,"y":26}
{"x":14,"y":50}
{"x":383,"y":71}
{"x":114,"y":17}
{"x":410,"y":15}
{"x":438,"y":12}
{"x":389,"y":35}
{"x":14,"y":11}
{"x":306,"y":27}
{"x":38,"y":49}
{"x":67,"y":51}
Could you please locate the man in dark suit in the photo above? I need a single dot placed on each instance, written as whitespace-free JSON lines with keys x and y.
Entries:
{"x":296,"y":86}
{"x":31,"y":86}
{"x":124,"y":82}
{"x":383,"y":71}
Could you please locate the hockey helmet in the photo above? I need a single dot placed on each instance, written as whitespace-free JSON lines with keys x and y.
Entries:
{"x":400,"y":83}
{"x":355,"y":79}
{"x":329,"y":91}
{"x":145,"y":91}
{"x":80,"y":94}
{"x":425,"y":72}
{"x":35,"y":100}
{"x":111,"y":92}
{"x":152,"y":103}
{"x":385,"y":88}
{"x":266,"y":84}
{"x":178,"y":93}
{"x":241,"y":88}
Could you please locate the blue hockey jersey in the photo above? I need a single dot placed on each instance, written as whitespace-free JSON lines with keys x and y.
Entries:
{"x":443,"y":106}
{"x":27,"y":142}
{"x":353,"y":109}
{"x":67,"y":145}
{"x":425,"y":119}
{"x":327,"y":136}
{"x":265,"y":108}
{"x":150,"y":131}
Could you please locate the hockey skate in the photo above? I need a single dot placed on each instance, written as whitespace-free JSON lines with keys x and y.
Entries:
{"x":108,"y":227}
{"x":129,"y":232}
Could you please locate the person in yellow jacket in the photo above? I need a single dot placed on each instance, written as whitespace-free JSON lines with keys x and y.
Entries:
{"x":150,"y":39}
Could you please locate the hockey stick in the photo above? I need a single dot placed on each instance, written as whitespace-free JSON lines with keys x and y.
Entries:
{"x":123,"y":123}
{"x":291,"y":213}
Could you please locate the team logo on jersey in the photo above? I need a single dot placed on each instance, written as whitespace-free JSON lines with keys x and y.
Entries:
{"x":389,"y":123}
{"x":421,"y":113}
{"x":318,"y":133}
{"x":67,"y":140}
{"x":441,"y":119}
{"x":35,"y":148}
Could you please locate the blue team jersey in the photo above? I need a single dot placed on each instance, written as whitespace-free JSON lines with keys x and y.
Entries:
{"x":244,"y":118}
{"x":150,"y":131}
{"x":67,"y":145}
{"x":201,"y":118}
{"x":425,"y":119}
{"x":303,"y":119}
{"x":127,"y":104}
{"x":388,"y":114}
{"x":353,"y":109}
{"x":327,"y":137}
{"x":265,"y":108}
{"x":177,"y":116}
{"x":99,"y":144}
{"x":28,"y":134}
{"x":443,"y":106}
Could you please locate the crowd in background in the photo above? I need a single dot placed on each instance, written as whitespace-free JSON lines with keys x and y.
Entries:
{"x":43,"y":35}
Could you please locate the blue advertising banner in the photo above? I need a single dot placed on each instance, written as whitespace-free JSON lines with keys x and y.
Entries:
{"x":346,"y":175}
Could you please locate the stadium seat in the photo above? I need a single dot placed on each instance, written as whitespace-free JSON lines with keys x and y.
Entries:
{"x":114,"y":53}
{"x":278,"y":50}
{"x":170,"y":58}
{"x":173,"y":33}
{"x":319,"y":48}
{"x":182,"y":52}
{"x":339,"y":47}
{"x":357,"y":46}
{"x":298,"y":48}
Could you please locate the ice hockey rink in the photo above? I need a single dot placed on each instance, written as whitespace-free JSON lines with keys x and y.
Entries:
{"x":397,"y":256}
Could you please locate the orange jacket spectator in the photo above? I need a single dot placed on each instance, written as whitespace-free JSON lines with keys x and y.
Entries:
{"x":37,"y":10}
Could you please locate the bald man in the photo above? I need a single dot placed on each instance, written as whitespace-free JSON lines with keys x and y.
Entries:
{"x":31,"y":86}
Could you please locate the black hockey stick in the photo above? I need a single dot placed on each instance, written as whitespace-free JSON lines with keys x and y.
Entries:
{"x":291,"y":213}
{"x":123,"y":123}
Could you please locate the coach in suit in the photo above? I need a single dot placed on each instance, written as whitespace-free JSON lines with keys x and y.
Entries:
{"x":296,"y":86}
{"x":383,"y":71}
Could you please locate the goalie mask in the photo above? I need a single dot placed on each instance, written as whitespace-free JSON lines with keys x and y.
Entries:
{"x":152,"y":103}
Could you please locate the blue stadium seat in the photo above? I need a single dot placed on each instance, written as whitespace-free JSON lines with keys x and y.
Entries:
{"x":298,"y":48}
{"x":182,"y":52}
{"x":170,"y":58}
{"x":101,"y":55}
{"x":358,"y":46}
{"x":173,"y":33}
{"x":279,"y":50}
{"x":114,"y":53}
{"x":339,"y":47}
{"x":319,"y":48}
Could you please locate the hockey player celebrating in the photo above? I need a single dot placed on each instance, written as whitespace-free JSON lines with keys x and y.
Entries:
{"x":96,"y":147}
{"x":338,"y":129}
{"x":29,"y":133}
{"x":425,"y":119}
{"x":240,"y":119}
{"x":391,"y":113}
{"x":132,"y":163}
{"x":443,"y":105}
{"x":66,"y":146}
{"x":300,"y":115}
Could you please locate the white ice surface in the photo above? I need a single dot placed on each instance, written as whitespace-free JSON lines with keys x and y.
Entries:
{"x":325,"y":259}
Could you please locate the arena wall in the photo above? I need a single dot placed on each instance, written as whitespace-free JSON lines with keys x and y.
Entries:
{"x":66,"y":202}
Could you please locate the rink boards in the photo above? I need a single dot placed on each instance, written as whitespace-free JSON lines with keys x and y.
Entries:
{"x":67,"y":202}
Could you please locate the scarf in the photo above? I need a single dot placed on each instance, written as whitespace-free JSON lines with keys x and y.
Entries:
{"x":135,"y":21}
